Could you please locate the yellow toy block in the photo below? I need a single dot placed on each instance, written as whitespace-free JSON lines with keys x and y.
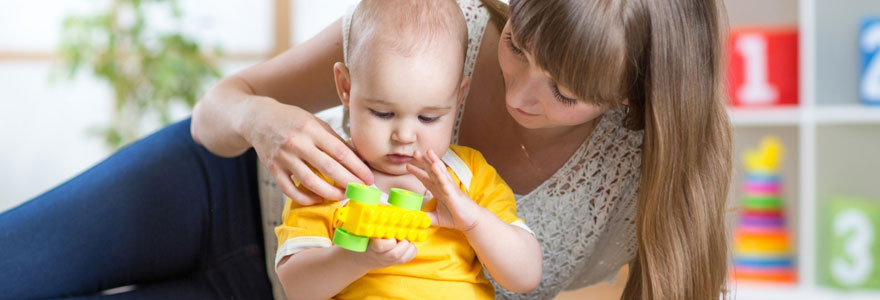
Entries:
{"x":364,"y":218}
{"x":383,"y":221}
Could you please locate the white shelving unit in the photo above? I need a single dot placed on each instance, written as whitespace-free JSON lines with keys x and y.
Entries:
{"x":847,"y":115}
{"x":832,"y":140}
{"x":783,"y":116}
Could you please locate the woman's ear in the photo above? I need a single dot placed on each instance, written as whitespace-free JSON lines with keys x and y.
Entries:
{"x":462,"y":90}
{"x":343,"y":82}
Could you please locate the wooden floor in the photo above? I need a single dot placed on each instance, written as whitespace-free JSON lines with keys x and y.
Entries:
{"x":600,"y":291}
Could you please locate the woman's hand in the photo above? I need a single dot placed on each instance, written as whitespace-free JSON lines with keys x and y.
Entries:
{"x":454,"y":208}
{"x":291,"y":141}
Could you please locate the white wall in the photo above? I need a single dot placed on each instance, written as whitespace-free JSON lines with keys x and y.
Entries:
{"x":43,"y":125}
{"x":310,"y":17}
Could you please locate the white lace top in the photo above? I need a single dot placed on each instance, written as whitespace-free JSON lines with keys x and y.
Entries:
{"x":583,"y":216}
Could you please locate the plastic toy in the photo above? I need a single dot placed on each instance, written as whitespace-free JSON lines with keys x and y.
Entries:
{"x":762,"y":244}
{"x":364,"y":218}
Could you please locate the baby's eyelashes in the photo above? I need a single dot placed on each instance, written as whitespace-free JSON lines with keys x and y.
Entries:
{"x":426,"y":119}
{"x":388,"y":115}
{"x":382,"y":114}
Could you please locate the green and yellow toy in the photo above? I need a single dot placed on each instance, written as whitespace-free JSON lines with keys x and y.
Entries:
{"x":364,"y":218}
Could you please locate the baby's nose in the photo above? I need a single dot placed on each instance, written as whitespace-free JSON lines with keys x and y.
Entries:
{"x":403,"y":135}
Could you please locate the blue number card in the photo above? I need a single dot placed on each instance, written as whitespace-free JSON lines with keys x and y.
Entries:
{"x":869,"y":46}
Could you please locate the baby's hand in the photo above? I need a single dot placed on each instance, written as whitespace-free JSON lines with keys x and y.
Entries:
{"x":388,"y":252}
{"x":454,"y":208}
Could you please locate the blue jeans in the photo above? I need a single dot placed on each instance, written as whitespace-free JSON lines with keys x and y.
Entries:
{"x":163,"y":214}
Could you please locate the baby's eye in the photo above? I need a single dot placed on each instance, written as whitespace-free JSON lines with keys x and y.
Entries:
{"x":382,"y":114}
{"x":425,"y":119}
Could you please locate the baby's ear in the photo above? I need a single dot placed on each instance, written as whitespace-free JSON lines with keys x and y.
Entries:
{"x":343,"y":82}
{"x":462,"y":90}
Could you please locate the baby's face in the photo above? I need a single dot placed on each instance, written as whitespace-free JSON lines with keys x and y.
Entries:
{"x":402,"y":104}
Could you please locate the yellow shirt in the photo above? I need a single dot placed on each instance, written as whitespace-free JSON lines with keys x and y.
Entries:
{"x":446,"y":267}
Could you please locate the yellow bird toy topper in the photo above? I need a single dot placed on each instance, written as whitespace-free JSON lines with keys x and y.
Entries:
{"x":767,"y":159}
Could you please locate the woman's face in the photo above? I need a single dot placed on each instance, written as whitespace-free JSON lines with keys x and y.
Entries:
{"x":533,"y":98}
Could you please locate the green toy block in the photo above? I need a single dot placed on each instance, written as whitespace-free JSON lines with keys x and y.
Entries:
{"x":362,"y":193}
{"x":405,"y":199}
{"x":350,"y":241}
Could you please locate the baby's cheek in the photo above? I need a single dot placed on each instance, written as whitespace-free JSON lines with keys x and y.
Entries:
{"x":440,"y":142}
{"x":365,"y":145}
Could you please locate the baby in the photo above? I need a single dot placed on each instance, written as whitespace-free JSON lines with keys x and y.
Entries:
{"x":402,"y":85}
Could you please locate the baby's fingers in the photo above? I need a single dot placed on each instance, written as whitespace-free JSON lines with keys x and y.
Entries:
{"x":421,"y":160}
{"x":420,"y":174}
{"x":407,"y":251}
{"x":439,"y":169}
{"x":434,"y":217}
{"x":428,"y":178}
{"x":381,"y":245}
{"x":410,"y":252}
{"x":402,"y":253}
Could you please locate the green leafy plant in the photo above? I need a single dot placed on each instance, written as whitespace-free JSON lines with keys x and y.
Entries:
{"x":150,"y":72}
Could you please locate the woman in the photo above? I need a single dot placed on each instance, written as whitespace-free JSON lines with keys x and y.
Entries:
{"x":605,"y":117}
{"x":565,"y":63}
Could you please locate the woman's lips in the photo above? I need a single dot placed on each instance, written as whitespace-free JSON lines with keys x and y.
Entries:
{"x":399,"y":158}
{"x":525,"y":113}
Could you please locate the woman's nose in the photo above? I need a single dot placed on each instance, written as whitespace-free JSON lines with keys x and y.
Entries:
{"x":522,"y":94}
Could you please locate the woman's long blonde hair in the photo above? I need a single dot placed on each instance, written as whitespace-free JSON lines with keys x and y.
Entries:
{"x":664,"y":57}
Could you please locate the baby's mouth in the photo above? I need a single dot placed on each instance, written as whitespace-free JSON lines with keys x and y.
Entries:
{"x":399,"y":158}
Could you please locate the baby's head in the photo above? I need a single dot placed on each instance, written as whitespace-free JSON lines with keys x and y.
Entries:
{"x":403,"y":80}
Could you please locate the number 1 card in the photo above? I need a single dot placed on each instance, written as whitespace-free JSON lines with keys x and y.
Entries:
{"x":763,"y":67}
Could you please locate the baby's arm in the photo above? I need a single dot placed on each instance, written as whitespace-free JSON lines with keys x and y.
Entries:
{"x":511,"y":254}
{"x":321,"y":273}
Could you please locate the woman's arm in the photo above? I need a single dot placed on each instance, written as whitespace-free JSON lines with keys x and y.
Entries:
{"x":301,"y":76}
{"x":249,"y":110}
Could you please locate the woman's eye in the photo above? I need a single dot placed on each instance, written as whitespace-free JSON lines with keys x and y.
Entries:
{"x":509,"y":41}
{"x":425,"y":119}
{"x":558,"y":95}
{"x":382,"y":114}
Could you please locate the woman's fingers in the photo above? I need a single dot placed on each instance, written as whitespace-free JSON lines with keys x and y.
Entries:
{"x":308,"y":179}
{"x":344,"y":165}
{"x":303,"y":197}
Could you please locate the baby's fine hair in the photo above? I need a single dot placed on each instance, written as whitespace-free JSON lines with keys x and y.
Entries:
{"x":405,"y":27}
